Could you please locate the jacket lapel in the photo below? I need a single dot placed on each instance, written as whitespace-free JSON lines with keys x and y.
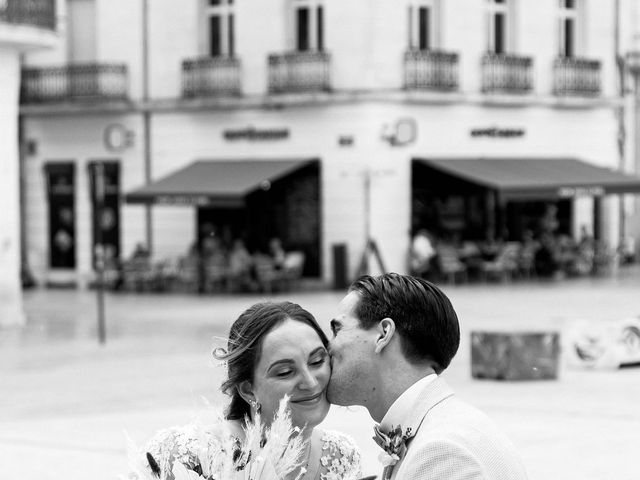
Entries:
{"x":434,"y":393}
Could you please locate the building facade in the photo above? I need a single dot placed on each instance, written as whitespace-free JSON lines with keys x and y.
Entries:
{"x":360,"y":94}
{"x":23,"y":26}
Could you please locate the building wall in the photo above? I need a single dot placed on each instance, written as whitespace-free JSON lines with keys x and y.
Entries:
{"x":181,"y":138}
{"x":366,"y":40}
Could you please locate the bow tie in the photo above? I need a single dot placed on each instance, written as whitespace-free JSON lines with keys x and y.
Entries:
{"x":394,"y":443}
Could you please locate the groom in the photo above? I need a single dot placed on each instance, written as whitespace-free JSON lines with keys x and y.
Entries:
{"x":393,"y":336}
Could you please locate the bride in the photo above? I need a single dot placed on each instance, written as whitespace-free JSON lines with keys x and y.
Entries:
{"x":276,"y":350}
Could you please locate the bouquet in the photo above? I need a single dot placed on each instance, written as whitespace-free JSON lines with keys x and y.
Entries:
{"x":196,"y":452}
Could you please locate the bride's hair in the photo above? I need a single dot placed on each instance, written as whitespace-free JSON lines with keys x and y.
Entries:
{"x":245,"y":342}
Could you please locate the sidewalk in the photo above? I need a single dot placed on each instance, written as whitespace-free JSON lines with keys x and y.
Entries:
{"x":66,"y":400}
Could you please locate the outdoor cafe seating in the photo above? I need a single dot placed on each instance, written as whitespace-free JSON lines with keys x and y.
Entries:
{"x":213,"y":274}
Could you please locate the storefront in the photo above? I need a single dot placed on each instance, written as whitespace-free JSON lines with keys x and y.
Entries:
{"x":502,"y":198}
{"x":250,"y":199}
{"x":324,"y":174}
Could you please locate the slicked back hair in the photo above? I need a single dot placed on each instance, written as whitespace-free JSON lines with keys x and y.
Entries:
{"x":424,"y":317}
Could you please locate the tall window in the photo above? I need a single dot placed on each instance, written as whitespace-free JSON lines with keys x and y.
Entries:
{"x":220,"y":27}
{"x":308,"y":16}
{"x":568,"y":24}
{"x":498,"y":26}
{"x":423,"y":24}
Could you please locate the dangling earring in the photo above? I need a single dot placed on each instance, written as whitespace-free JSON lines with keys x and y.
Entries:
{"x":256,"y":406}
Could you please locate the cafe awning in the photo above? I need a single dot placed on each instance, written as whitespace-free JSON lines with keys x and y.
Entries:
{"x":218,"y":183}
{"x":536,"y":178}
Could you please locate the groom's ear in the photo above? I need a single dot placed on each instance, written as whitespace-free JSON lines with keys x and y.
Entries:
{"x":245,"y":390}
{"x":386,"y":328}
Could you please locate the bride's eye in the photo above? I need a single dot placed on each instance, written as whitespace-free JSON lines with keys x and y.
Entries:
{"x":319,"y":360}
{"x":283,"y":373}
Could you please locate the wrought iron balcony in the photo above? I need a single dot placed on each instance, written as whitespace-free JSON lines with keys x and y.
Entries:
{"x":299,"y":72}
{"x":210,"y":76}
{"x":576,"y":77}
{"x":430,"y":70}
{"x":91,"y":82}
{"x":36,"y":13}
{"x":506,"y":74}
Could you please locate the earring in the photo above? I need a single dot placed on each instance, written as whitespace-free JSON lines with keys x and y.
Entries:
{"x":255,"y":405}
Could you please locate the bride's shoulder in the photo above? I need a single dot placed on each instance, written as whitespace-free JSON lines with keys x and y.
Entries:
{"x":339,"y":450}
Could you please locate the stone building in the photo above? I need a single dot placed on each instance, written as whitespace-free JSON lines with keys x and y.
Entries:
{"x":322,"y":123}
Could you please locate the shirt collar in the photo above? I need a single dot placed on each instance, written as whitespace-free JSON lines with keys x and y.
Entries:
{"x":399,"y":411}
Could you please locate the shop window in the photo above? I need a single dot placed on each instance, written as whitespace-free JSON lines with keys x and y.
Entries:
{"x":423,"y":24}
{"x":104,"y":179}
{"x":568,"y":27}
{"x":309,"y":25}
{"x":499,"y":20}
{"x":220,"y":26}
{"x":62,"y":219}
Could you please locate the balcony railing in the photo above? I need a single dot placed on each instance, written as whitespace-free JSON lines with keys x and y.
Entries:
{"x":91,"y":82}
{"x":37,"y":13}
{"x":506,"y":74}
{"x":430,"y":70}
{"x":299,"y":72}
{"x":576,"y":77}
{"x":210,"y":76}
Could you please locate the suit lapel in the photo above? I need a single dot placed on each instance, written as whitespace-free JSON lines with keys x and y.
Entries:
{"x":433,"y":394}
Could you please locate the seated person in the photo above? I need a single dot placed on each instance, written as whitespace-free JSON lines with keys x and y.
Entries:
{"x":421,"y":253}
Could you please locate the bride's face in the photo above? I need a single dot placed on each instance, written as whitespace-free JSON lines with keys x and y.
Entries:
{"x":293,"y":362}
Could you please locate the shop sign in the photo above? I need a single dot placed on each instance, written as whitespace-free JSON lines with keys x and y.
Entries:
{"x":495,"y":132}
{"x":182,"y":199}
{"x":254,"y":134}
{"x":568,"y":192}
{"x":117,"y":138}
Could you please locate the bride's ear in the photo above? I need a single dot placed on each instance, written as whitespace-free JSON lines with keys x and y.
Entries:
{"x":245,"y":390}
{"x":385,"y":330}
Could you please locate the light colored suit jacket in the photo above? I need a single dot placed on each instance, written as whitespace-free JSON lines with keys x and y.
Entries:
{"x":454,"y":440}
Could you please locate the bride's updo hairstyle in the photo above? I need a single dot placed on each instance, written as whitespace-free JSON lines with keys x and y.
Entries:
{"x":245,"y":343}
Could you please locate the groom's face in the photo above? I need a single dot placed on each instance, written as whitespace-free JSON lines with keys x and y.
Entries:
{"x":351,"y":349}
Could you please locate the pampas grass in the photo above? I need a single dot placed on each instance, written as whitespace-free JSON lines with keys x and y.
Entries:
{"x":197,"y":452}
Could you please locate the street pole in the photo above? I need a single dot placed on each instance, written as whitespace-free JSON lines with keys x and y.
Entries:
{"x":620,"y":115}
{"x":99,"y":250}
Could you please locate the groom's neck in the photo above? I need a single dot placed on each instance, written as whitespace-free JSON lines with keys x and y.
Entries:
{"x":393,"y":382}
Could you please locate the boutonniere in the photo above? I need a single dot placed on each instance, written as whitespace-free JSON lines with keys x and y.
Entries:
{"x":394,"y":446}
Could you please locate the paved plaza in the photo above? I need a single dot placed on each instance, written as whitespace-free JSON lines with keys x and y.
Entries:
{"x":66,"y":400}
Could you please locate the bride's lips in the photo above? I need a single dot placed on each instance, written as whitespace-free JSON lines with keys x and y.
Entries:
{"x":308,"y":400}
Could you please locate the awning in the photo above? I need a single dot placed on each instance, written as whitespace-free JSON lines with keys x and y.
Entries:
{"x":220,"y":183}
{"x":529,"y":178}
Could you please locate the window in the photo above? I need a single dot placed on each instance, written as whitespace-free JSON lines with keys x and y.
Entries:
{"x":423,"y":24}
{"x":220,"y":28}
{"x":498,"y":26}
{"x":309,"y":25}
{"x":568,"y":27}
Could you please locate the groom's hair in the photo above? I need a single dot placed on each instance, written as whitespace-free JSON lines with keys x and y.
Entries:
{"x":423,"y":315}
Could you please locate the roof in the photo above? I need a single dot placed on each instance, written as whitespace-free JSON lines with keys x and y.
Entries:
{"x":522,"y":178}
{"x":216,"y":182}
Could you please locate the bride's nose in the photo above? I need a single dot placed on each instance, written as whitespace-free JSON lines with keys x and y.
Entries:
{"x":308,"y":381}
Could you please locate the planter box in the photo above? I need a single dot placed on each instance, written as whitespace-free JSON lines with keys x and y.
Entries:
{"x":515,"y":356}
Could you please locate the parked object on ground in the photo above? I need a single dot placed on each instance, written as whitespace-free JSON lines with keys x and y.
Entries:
{"x":515,"y":355}
{"x":603,"y":344}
